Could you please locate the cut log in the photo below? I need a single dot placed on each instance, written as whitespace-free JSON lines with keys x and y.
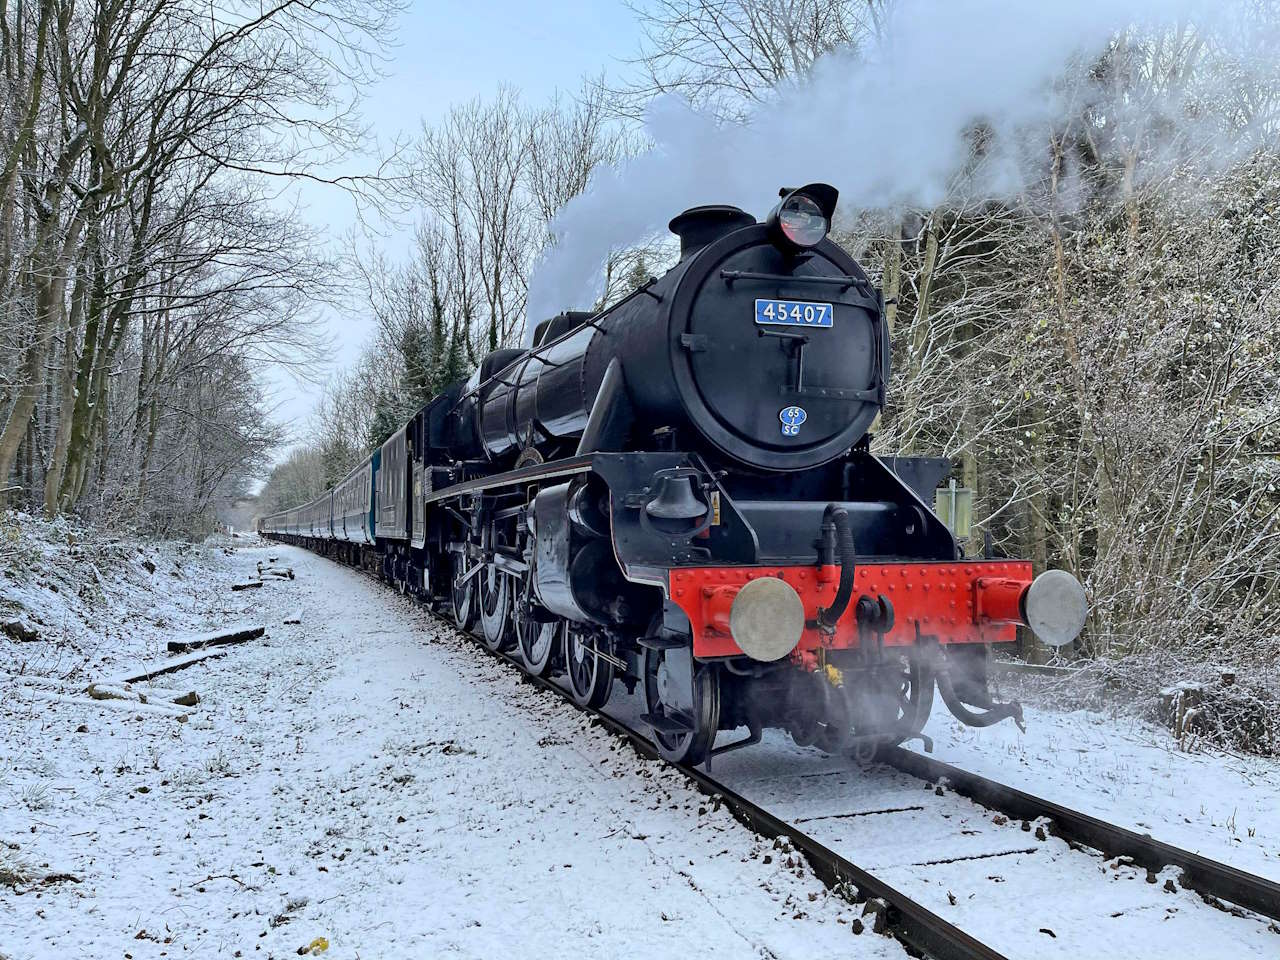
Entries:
{"x":295,"y":617}
{"x":280,"y":573}
{"x":218,"y":638}
{"x":251,"y":585}
{"x":107,"y":691}
{"x":147,"y":671}
{"x":117,"y":698}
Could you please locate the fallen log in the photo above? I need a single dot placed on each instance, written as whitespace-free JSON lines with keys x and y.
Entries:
{"x":218,"y":638}
{"x":121,"y":704}
{"x":114,"y":689}
{"x":251,"y":585}
{"x":293,"y":618}
{"x":283,"y":573}
{"x":153,"y":696}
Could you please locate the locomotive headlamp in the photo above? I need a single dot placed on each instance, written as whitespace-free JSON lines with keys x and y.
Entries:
{"x":803,"y":217}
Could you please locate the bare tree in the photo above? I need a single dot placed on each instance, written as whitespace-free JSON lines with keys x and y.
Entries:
{"x":137,"y":247}
{"x":724,"y":55}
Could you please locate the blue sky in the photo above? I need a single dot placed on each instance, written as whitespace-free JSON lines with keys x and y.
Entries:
{"x":447,"y":52}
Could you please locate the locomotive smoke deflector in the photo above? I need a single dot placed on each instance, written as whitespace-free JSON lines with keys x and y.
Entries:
{"x":802,"y":219}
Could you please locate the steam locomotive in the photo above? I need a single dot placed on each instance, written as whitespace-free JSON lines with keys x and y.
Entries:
{"x":677,"y":493}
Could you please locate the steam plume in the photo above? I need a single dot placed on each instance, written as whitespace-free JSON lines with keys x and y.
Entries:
{"x":889,"y":129}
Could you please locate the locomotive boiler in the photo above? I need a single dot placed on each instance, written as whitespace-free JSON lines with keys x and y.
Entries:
{"x":680,"y":354}
{"x":677,"y":493}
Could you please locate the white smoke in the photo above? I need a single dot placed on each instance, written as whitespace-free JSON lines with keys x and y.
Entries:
{"x":888,"y":128}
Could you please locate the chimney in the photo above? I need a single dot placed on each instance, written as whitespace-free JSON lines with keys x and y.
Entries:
{"x":699,"y":226}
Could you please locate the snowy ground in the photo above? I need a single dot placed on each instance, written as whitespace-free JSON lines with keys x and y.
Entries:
{"x":368,"y":777}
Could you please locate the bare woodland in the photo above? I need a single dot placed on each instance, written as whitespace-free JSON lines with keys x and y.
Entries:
{"x":1096,"y":350}
{"x":145,"y":273}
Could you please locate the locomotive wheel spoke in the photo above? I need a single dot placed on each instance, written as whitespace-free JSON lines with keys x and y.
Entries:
{"x":537,"y":642}
{"x":703,"y":718}
{"x":590,"y":677}
{"x":463,"y":592}
{"x":495,"y":607}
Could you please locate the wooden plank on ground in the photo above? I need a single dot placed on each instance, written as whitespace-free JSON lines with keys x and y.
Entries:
{"x":148,"y":670}
{"x":236,"y":634}
{"x":251,"y":585}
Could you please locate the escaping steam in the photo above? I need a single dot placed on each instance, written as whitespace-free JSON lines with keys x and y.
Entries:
{"x":893,"y":127}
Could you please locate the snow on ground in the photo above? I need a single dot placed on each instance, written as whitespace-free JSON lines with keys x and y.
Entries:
{"x":75,"y":603}
{"x":369,"y":778}
{"x":1132,"y":773}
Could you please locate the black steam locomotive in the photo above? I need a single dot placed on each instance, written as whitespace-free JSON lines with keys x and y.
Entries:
{"x":677,"y":493}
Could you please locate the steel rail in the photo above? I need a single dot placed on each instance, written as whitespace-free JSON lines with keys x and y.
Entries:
{"x":919,"y":929}
{"x":1209,"y":878}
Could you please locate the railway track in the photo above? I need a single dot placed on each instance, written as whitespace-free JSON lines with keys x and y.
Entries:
{"x":921,"y":930}
{"x":892,"y":910}
{"x":1209,"y":878}
{"x":765,"y":800}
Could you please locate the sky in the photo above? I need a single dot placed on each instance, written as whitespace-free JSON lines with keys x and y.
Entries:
{"x":448,"y":52}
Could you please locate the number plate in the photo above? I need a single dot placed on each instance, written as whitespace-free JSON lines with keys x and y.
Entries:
{"x":795,"y":313}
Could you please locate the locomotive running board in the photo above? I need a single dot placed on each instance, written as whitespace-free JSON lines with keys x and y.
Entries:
{"x":538,"y":471}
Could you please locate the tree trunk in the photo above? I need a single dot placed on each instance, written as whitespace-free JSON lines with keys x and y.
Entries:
{"x":79,"y":423}
{"x":921,"y":327}
{"x":67,"y":395}
{"x":48,"y":308}
{"x":891,"y":285}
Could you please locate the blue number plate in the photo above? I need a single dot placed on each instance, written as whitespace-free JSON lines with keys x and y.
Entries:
{"x":795,"y":313}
